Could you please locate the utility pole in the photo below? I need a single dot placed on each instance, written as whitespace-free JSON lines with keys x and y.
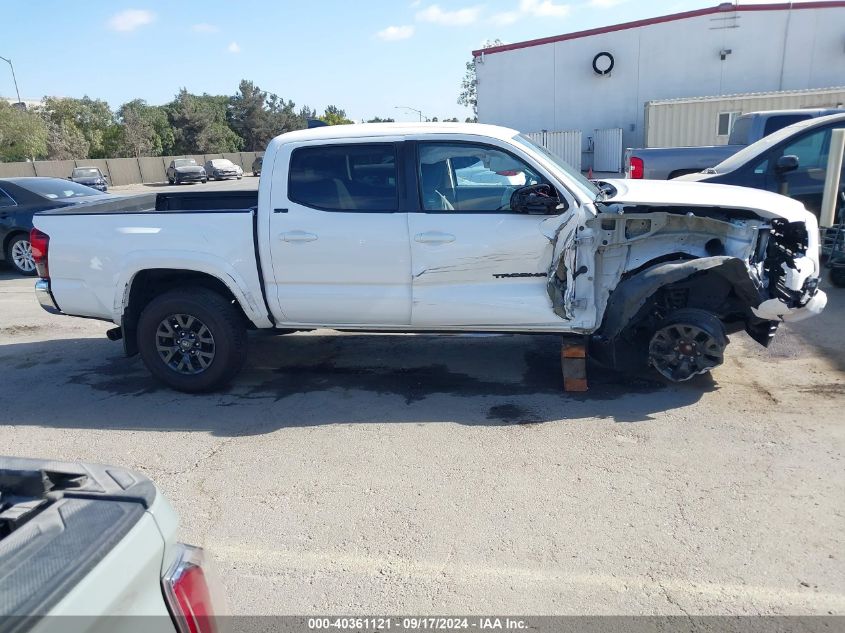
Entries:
{"x":15,"y":79}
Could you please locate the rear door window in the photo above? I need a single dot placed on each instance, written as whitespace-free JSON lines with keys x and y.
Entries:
{"x":781,"y":121}
{"x":359,"y":177}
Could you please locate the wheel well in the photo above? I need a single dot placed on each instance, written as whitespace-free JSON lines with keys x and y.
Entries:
{"x":718,"y":285}
{"x":12,"y":235}
{"x":148,"y":284}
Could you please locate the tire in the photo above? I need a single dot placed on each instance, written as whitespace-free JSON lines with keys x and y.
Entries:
{"x":688,"y":342}
{"x":216,"y":351}
{"x":837,"y":276}
{"x":19,"y":255}
{"x":204,"y":181}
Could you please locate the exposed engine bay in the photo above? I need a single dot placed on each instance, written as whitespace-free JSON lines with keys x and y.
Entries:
{"x":650,"y":262}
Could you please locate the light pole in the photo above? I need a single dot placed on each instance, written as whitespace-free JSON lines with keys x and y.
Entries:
{"x":410,"y":108}
{"x":15,"y":79}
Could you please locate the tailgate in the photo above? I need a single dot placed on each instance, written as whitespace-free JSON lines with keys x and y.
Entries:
{"x":57,"y":521}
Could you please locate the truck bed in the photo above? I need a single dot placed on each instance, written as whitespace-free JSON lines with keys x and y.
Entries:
{"x":185,"y":202}
{"x":57,"y":521}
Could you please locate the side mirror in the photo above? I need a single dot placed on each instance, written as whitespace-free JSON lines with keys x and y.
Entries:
{"x":786,"y":164}
{"x":535,"y":200}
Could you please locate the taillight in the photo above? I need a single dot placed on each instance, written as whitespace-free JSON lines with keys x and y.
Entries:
{"x":40,"y":243}
{"x":188,"y":592}
{"x":636,"y":168}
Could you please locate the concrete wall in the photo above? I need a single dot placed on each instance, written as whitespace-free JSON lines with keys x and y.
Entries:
{"x":120,"y":171}
{"x":553,"y":86}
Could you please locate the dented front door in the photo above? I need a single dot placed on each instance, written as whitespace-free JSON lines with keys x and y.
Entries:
{"x":474,"y":261}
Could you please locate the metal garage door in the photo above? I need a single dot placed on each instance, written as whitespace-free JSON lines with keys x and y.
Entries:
{"x":607,"y":148}
{"x":566,"y":144}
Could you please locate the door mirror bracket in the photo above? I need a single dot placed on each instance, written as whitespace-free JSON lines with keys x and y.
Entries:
{"x":536,"y":200}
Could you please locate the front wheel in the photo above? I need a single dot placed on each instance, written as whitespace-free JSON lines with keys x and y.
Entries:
{"x":686,"y":343}
{"x":192,"y":339}
{"x":837,"y":275}
{"x":19,"y":255}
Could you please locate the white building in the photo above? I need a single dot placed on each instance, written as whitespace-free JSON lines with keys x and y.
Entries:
{"x":602,"y":78}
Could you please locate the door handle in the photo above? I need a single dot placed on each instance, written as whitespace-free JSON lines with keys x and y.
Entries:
{"x":434,"y":237}
{"x":298,"y":236}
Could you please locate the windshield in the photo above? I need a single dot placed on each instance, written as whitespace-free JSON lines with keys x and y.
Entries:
{"x":184,"y":162}
{"x":86,"y":172}
{"x":584,"y":185}
{"x":755,"y":149}
{"x":57,"y":189}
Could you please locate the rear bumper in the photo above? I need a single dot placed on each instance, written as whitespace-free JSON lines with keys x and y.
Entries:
{"x":45,"y":296}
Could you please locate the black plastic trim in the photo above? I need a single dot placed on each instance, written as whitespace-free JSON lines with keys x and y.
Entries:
{"x":258,"y":266}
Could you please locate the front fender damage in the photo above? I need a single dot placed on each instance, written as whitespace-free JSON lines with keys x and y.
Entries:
{"x":722,"y":285}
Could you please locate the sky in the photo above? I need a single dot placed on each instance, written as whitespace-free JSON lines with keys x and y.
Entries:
{"x":366,"y":56}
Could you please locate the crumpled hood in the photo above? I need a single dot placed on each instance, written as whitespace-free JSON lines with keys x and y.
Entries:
{"x":702,"y":194}
{"x":189,"y":169}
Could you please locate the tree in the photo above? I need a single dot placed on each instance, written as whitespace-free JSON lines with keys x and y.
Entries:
{"x":380,"y":120}
{"x":469,"y":85}
{"x":23,"y":134}
{"x":249,"y":117}
{"x":137,"y":134}
{"x":335,"y":116}
{"x":200,"y":126}
{"x":91,"y":117}
{"x":65,"y":141}
{"x":257,"y":116}
{"x":144,"y":130}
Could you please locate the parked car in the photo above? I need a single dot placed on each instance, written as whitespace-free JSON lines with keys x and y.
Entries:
{"x":86,"y":543}
{"x":471,"y":171}
{"x":221,"y":168}
{"x":256,"y":165}
{"x":340,"y":237}
{"x":664,"y":163}
{"x":792,"y":161}
{"x":20,"y":198}
{"x":185,"y":170}
{"x":90,"y":176}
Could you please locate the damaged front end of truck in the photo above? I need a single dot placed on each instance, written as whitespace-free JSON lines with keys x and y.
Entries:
{"x":668,"y":283}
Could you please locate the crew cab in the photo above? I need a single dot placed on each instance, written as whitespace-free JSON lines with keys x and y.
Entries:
{"x":370,"y":228}
{"x":664,"y":163}
{"x":87,"y":547}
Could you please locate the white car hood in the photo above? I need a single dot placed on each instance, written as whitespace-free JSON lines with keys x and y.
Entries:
{"x":702,"y":194}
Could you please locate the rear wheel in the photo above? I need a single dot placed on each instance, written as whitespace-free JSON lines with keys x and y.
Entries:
{"x":192,"y":339}
{"x":19,"y":255}
{"x":687,"y":343}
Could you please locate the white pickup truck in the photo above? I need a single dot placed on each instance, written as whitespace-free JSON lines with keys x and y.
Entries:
{"x":432,"y":228}
{"x":86,"y":547}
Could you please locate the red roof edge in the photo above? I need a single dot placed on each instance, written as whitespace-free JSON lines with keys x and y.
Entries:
{"x":722,"y":8}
